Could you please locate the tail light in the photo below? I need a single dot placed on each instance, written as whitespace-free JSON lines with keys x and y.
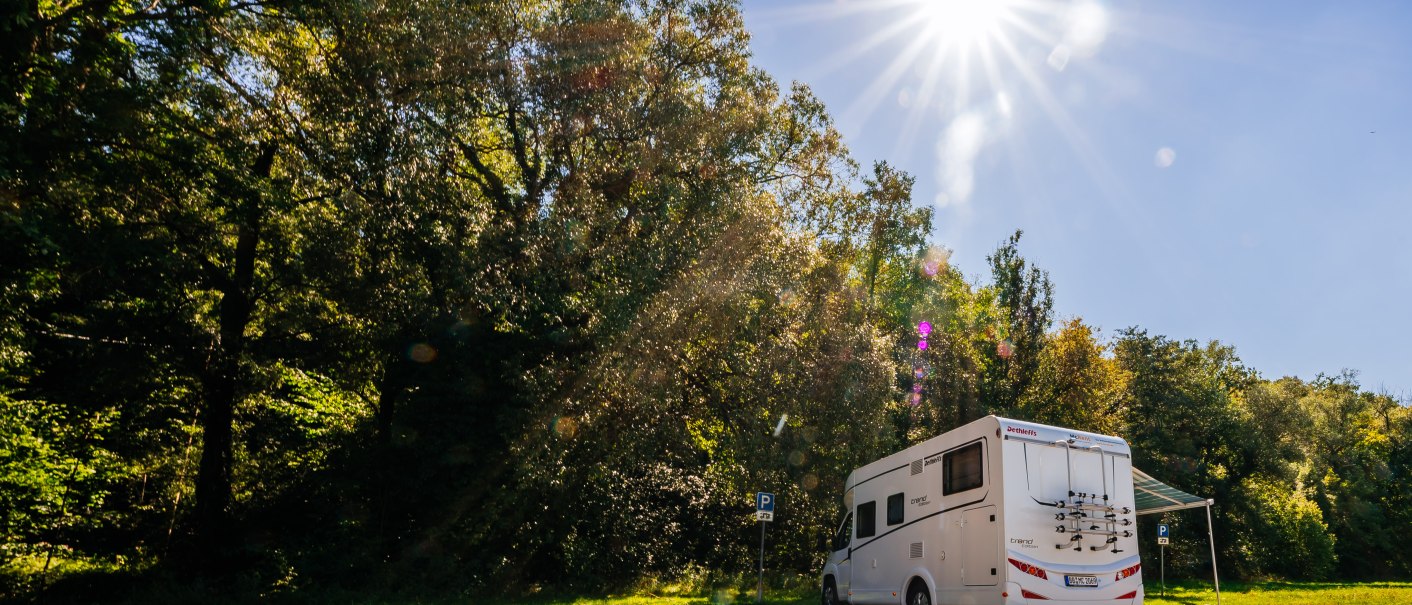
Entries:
{"x":1131,"y":595}
{"x":1033,"y":595}
{"x":1030,"y":569}
{"x":1127,"y":573}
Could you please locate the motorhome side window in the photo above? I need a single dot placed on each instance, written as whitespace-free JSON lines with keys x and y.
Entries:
{"x":961,"y":470}
{"x":894,"y":509}
{"x":867,"y":519}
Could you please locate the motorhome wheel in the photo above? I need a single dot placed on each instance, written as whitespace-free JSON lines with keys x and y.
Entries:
{"x":917,"y":594}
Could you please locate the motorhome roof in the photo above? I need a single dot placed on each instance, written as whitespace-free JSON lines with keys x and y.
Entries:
{"x":1014,"y":429}
{"x":1108,"y":442}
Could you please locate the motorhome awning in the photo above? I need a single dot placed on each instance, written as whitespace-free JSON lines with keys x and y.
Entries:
{"x":1154,"y":496}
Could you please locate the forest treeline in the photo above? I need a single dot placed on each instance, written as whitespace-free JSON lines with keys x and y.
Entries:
{"x":455,"y":296}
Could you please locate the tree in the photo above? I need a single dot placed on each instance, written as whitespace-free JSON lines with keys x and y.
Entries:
{"x":1024,"y":300}
{"x":1076,"y":384}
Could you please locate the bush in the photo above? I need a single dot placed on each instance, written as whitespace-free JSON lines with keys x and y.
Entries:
{"x":1282,"y":534}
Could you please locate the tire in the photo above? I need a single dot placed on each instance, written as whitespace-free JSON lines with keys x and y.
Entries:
{"x":917,"y":594}
{"x":830,"y":593}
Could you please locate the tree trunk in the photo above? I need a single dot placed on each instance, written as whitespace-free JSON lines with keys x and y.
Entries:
{"x":221,"y":382}
{"x":394,"y":381}
{"x":213,"y":478}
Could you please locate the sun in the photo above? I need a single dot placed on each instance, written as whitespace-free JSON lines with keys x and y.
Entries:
{"x":964,"y":24}
{"x":978,"y":66}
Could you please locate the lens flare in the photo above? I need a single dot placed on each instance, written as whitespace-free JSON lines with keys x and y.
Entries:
{"x":1164,"y":157}
{"x":422,"y":353}
{"x":810,"y":434}
{"x":1059,"y":57}
{"x":922,"y":344}
{"x":809,"y":482}
{"x":924,"y":328}
{"x":934,"y":261}
{"x":564,"y":427}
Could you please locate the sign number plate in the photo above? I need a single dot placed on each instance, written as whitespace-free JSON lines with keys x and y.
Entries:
{"x":1163,"y":541}
{"x":1081,"y":580}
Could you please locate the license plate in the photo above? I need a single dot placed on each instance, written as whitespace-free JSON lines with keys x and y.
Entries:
{"x":1081,"y":580}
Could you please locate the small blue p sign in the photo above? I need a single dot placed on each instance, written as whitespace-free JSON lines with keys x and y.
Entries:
{"x":1162,"y":531}
{"x":764,"y":502}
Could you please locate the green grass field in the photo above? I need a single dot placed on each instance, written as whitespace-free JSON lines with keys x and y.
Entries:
{"x":724,"y":597}
{"x":1284,"y":593}
{"x":1265,"y":593}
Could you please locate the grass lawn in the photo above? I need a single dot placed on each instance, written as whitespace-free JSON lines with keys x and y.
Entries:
{"x":720,"y":598}
{"x":1265,"y":593}
{"x":1283,"y":593}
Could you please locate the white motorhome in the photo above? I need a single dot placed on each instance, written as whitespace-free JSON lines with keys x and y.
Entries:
{"x":997,"y":511}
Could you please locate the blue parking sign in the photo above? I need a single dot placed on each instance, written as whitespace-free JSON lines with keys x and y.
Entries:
{"x":1162,"y":531}
{"x":764,"y":502}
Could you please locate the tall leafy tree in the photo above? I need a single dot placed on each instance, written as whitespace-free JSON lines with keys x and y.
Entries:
{"x":1076,"y":383}
{"x":1025,"y":305}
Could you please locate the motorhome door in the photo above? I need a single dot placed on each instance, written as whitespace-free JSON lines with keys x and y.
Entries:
{"x":980,"y":537}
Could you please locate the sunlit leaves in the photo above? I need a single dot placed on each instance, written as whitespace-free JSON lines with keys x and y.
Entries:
{"x":1280,"y":531}
{"x":1077,"y":383}
{"x":55,"y":473}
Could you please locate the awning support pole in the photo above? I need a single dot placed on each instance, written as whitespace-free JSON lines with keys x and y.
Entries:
{"x":1211,"y":539}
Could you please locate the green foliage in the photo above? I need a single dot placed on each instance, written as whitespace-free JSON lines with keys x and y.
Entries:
{"x":1076,"y":383}
{"x":1025,"y":307}
{"x":1281,"y":533}
{"x":289,"y":433}
{"x":55,"y":475}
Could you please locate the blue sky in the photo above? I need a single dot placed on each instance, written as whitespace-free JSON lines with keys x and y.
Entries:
{"x":1239,"y":171}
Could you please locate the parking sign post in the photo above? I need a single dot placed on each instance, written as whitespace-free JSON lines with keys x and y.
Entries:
{"x":764,"y":511}
{"x":1163,"y":536}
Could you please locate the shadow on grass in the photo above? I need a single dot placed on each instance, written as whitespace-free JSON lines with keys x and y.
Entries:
{"x":159,"y":586}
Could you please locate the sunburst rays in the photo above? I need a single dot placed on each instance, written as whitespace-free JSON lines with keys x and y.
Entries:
{"x":966,"y":65}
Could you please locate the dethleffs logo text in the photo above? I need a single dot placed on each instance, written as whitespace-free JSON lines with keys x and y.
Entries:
{"x":1030,"y":432}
